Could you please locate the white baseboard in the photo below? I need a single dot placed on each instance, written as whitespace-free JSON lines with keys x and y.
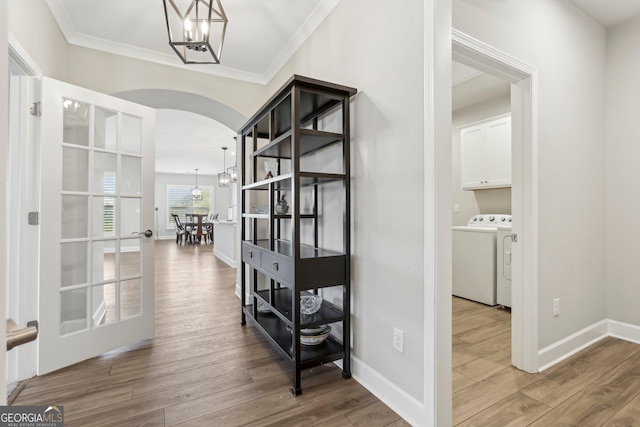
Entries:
{"x":405,"y":405}
{"x":238,"y":289}
{"x":567,"y":347}
{"x":624,"y":331}
{"x":229,"y":261}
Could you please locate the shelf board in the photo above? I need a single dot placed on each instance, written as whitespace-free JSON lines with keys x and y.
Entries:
{"x":283,"y":247}
{"x":284,"y":181}
{"x":312,"y":103}
{"x":280,"y":182}
{"x":256,"y":216}
{"x":310,"y":141}
{"x":314,"y":178}
{"x":289,"y":216}
{"x":274,"y":329}
{"x":328,"y":313}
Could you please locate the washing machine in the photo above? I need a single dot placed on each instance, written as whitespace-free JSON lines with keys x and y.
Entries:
{"x":503,"y":266}
{"x":474,"y":257}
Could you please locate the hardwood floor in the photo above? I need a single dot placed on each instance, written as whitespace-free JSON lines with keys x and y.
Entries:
{"x":599,"y":386}
{"x":202,"y":368}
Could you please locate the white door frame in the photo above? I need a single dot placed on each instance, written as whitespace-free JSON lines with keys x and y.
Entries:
{"x":4,"y":148}
{"x":23,"y":280}
{"x":524,"y":320}
{"x":442,"y":43}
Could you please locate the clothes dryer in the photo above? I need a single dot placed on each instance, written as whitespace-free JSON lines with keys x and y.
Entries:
{"x":474,"y":258}
{"x":503,"y":266}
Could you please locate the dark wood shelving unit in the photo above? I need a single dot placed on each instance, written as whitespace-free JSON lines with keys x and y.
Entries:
{"x":303,"y":130}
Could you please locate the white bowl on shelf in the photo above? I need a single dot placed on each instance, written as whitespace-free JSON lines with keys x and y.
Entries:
{"x":315,"y":338}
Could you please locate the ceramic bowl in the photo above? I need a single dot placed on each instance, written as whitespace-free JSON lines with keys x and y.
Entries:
{"x":310,"y":303}
{"x":315,"y":338}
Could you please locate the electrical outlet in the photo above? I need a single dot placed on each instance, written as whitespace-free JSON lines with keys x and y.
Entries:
{"x":456,"y":208}
{"x":556,"y":307}
{"x":398,"y":340}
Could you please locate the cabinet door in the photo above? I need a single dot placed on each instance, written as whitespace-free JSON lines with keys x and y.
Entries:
{"x":497,"y":168}
{"x":472,"y":154}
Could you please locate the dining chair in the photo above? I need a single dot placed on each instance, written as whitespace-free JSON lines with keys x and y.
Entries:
{"x":208,"y":226}
{"x":181,"y":230}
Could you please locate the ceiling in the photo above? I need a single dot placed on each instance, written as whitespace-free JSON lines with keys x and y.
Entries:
{"x":261,"y":35}
{"x":609,"y":13}
{"x":471,"y":87}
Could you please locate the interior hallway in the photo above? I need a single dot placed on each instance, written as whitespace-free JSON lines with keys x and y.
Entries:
{"x":599,"y":386}
{"x":202,"y":368}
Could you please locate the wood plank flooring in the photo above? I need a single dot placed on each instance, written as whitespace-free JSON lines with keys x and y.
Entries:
{"x":599,"y":386}
{"x":202,"y":368}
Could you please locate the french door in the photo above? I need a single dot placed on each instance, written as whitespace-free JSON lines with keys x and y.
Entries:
{"x":96,"y":217}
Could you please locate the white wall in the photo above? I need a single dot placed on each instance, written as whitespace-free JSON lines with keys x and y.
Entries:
{"x":623,"y":173}
{"x":222,"y":197}
{"x":568,"y":50}
{"x":356,"y":47}
{"x":4,"y":144}
{"x":495,"y":200}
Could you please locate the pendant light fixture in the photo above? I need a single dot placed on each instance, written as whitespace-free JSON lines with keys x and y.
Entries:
{"x":196,"y":33}
{"x":233,"y":170}
{"x":196,"y":192}
{"x":233,"y":173}
{"x":223,"y":177}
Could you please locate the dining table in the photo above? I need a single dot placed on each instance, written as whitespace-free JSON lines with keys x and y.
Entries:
{"x":196,"y":221}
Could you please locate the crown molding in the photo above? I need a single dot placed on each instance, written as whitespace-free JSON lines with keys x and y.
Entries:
{"x":304,"y":32}
{"x":172,"y":60}
{"x":82,"y":40}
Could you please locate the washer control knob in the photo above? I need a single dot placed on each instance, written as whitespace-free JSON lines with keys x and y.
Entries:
{"x":509,"y":219}
{"x":492,"y":218}
{"x":475,"y":218}
{"x":481,"y":218}
{"x":503,"y":219}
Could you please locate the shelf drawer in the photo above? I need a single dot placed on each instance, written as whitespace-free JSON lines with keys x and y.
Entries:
{"x":276,"y":267}
{"x":251,"y":255}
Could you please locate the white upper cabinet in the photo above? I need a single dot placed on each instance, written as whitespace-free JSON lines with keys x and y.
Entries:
{"x":485,"y":154}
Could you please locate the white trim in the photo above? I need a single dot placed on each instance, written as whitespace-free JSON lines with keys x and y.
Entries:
{"x":437,"y":406}
{"x":22,"y":57}
{"x":524,"y":186}
{"x":567,"y":347}
{"x":487,"y":120}
{"x":238,"y":289}
{"x":306,"y":29}
{"x":624,"y":331}
{"x":100,"y":312}
{"x":405,"y":405}
{"x":230,"y":262}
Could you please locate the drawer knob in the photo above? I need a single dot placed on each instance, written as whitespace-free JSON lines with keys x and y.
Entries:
{"x":275,"y":265}
{"x":250,"y":254}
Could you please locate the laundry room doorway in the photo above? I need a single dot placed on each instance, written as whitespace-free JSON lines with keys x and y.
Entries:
{"x":499,"y":67}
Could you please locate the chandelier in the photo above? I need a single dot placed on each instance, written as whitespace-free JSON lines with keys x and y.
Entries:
{"x":196,"y":192}
{"x":196,"y":29}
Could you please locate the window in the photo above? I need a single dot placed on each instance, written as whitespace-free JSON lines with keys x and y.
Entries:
{"x":179,"y":202}
{"x":109,"y":208}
